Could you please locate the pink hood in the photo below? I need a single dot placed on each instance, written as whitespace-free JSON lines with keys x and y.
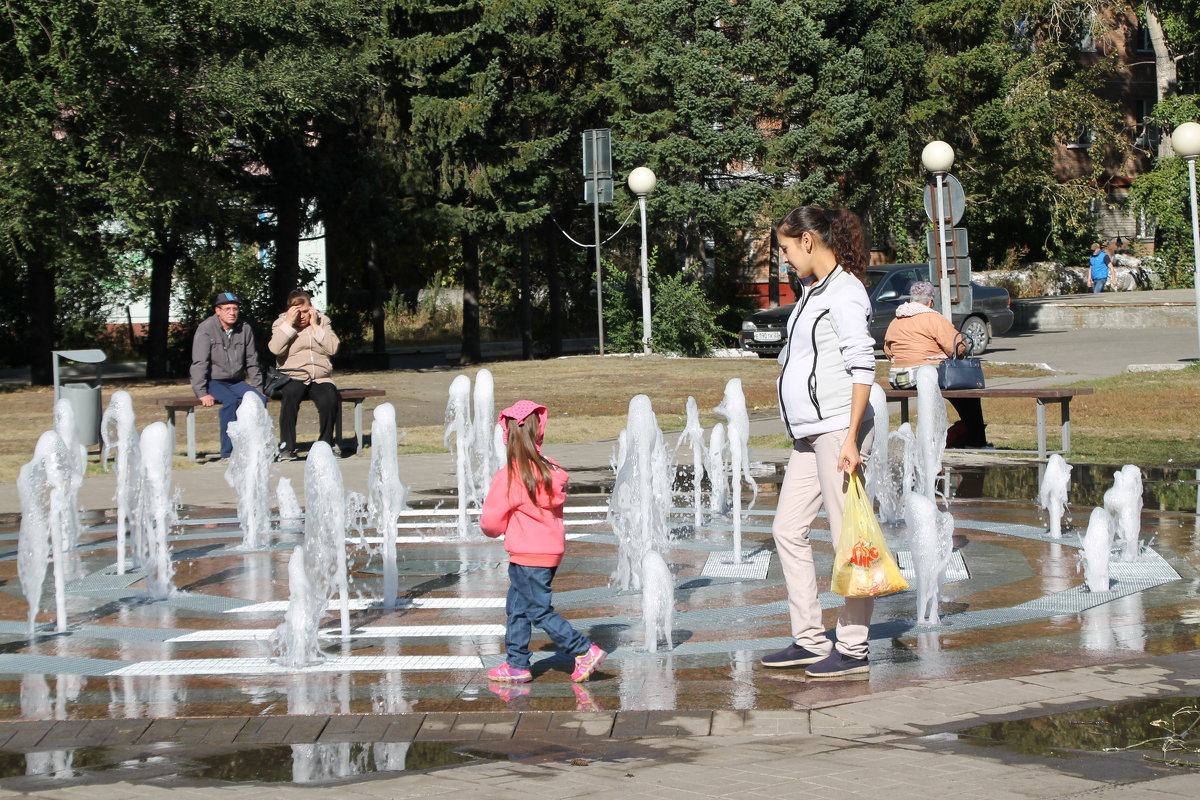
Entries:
{"x":520,"y":411}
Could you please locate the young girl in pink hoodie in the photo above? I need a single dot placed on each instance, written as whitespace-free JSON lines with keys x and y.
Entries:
{"x":525,"y":506}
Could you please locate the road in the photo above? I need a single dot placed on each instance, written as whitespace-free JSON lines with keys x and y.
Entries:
{"x":1095,"y":353}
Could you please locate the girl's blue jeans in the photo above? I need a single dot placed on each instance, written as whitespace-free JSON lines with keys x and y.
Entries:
{"x":528,"y":604}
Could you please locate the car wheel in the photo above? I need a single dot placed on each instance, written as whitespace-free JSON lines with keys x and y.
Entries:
{"x":975,"y":329}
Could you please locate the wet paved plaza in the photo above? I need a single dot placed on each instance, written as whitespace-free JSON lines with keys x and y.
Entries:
{"x":194,"y":671}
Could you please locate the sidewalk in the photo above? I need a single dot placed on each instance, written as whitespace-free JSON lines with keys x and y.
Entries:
{"x":897,"y":745}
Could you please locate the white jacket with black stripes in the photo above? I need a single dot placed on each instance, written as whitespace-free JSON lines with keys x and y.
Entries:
{"x":829,"y":348}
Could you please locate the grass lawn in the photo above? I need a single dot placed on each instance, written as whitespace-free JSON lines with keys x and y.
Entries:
{"x":1148,"y":418}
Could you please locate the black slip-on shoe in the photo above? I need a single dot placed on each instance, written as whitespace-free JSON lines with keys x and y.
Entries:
{"x":791,"y":656}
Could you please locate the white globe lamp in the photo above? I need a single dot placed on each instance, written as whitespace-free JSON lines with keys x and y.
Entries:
{"x":937,"y":156}
{"x":642,"y":181}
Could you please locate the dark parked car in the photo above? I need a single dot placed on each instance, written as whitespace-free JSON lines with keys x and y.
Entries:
{"x":765,"y":332}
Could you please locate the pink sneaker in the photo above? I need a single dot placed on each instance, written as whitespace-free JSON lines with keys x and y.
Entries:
{"x":584,"y":700}
{"x":587,"y":663}
{"x":510,"y":674}
{"x":508,"y":691}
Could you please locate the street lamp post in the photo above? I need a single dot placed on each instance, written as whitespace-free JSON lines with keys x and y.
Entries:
{"x":1186,"y":142}
{"x":938,"y":158}
{"x":642,"y":182}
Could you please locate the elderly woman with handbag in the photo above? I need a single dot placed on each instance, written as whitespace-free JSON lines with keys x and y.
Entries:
{"x":919,"y":335}
{"x":303,"y":342}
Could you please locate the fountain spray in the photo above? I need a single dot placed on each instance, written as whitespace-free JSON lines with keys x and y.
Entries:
{"x":1124,"y":502}
{"x":733,"y":408}
{"x":45,"y":488}
{"x":249,"y":471}
{"x":118,"y":431}
{"x":458,"y":440}
{"x":156,"y":509}
{"x":693,"y":435}
{"x":1052,"y":494}
{"x":387,"y":495}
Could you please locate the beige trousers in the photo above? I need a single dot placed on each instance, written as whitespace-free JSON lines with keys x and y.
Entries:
{"x":812,"y":480}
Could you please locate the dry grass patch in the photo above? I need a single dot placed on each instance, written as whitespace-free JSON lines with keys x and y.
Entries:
{"x":588,"y":397}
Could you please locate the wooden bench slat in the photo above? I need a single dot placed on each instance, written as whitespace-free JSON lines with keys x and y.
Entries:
{"x":1046,"y":394}
{"x":190,"y":403}
{"x":194,"y":402}
{"x":1062,"y":396}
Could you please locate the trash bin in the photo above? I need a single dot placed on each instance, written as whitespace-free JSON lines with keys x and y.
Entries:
{"x":84,"y":396}
{"x":85,"y":402}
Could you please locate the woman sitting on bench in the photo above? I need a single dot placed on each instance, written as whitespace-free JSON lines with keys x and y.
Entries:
{"x":919,"y":335}
{"x":303,"y":342}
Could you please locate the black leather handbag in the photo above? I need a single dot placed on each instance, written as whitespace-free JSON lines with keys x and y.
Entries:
{"x":275,"y":378}
{"x":960,"y":373}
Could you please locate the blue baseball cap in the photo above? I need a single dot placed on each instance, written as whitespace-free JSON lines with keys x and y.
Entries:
{"x":224,"y":298}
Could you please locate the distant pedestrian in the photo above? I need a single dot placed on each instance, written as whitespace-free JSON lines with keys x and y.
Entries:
{"x":1099,"y":270}
{"x":225,"y":363}
{"x":525,"y":506}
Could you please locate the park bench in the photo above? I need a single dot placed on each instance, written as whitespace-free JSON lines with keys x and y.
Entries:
{"x":190,"y":403}
{"x":1043,"y":396}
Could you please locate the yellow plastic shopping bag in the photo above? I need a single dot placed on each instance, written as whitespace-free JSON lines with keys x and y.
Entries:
{"x":863,"y":565}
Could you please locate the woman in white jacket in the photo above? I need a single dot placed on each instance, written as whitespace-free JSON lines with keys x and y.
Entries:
{"x":828,"y":367}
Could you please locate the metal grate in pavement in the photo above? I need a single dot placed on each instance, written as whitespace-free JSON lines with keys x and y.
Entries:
{"x":754,"y":565}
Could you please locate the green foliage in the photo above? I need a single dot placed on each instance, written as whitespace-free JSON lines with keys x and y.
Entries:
{"x":420,"y":133}
{"x":1162,"y":195}
{"x":682,"y":318}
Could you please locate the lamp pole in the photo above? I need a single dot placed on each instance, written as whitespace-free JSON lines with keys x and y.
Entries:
{"x":1186,"y":142}
{"x":938,"y":157}
{"x":642,"y":182}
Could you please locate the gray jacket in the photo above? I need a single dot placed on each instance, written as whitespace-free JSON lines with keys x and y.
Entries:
{"x":224,"y":356}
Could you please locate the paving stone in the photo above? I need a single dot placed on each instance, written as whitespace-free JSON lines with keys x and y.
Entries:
{"x":66,"y":733}
{"x":484,"y":727}
{"x":371,"y":728}
{"x":565,"y":724}
{"x":439,"y":727}
{"x":282,"y":730}
{"x":637,"y":724}
{"x":23,"y":735}
{"x":762,"y":723}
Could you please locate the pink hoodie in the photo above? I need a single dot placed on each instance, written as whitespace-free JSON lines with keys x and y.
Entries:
{"x":533,"y":532}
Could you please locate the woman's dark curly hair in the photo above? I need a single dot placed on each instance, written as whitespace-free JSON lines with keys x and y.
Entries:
{"x":838,"y":229}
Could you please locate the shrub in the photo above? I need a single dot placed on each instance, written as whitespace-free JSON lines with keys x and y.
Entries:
{"x":683,"y":318}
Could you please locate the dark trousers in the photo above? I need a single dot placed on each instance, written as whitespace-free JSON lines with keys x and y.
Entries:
{"x":325,"y":398}
{"x":528,"y":604}
{"x":970,"y":411}
{"x":229,"y":394}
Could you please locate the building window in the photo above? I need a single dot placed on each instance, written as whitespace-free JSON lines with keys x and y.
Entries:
{"x":1149,"y":135}
{"x":1144,"y":45}
{"x":1087,"y":25}
{"x":1084,"y":136}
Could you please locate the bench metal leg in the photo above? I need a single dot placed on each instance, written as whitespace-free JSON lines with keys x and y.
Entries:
{"x":171,"y":427}
{"x":1041,"y":428}
{"x":358,"y":426}
{"x":903,"y":410}
{"x":191,"y":433}
{"x":1066,"y":425}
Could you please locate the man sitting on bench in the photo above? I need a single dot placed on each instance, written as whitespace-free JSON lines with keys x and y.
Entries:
{"x":225,"y":363}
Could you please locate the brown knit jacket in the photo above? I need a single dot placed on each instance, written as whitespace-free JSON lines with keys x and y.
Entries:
{"x":914,"y":340}
{"x":308,"y":349}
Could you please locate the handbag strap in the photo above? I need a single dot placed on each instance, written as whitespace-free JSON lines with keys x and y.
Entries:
{"x":958,"y":337}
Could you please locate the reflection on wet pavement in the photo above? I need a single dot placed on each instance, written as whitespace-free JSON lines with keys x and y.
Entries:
{"x":117,"y":659}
